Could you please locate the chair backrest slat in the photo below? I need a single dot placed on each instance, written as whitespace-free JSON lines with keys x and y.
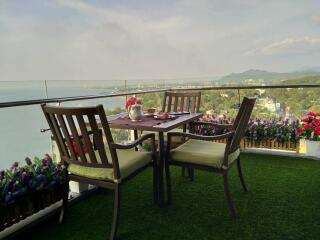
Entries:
{"x":66,"y":134}
{"x":182,"y":103}
{"x":242,"y":124}
{"x":187,"y":101}
{"x":175,"y":105}
{"x":86,"y":138}
{"x":76,"y":138}
{"x":57,"y":134}
{"x":107,"y":132}
{"x":194,"y":106}
{"x":198,"y":102}
{"x":98,"y":139}
{"x":244,"y":104}
{"x":169,"y":104}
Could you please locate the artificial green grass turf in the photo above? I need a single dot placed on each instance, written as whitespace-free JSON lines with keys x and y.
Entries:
{"x":282,"y":203}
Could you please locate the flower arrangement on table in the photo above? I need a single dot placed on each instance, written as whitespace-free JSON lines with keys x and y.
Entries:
{"x":310,"y":127}
{"x":27,"y":189}
{"x":134,"y":107}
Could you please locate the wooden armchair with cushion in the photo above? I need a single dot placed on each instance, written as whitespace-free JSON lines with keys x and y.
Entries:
{"x":89,"y":159}
{"x":174,"y":102}
{"x":200,"y":152}
{"x":181,"y":101}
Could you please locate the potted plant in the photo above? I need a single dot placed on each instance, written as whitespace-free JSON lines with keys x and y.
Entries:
{"x":28,"y":189}
{"x":309,"y":133}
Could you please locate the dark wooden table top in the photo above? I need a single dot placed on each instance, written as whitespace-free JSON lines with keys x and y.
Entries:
{"x":120,"y":121}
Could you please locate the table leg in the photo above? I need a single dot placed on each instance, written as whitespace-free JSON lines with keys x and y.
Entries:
{"x":183,"y":173}
{"x":135,"y":134}
{"x":161,"y":168}
{"x":189,"y":172}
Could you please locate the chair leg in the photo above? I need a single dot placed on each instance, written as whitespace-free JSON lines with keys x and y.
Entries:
{"x":187,"y":172}
{"x":168,"y":180}
{"x":227,"y":194}
{"x":116,"y":209}
{"x":241,"y":175}
{"x":183,"y":171}
{"x":191,"y":173}
{"x":155,"y":183}
{"x":65,"y":197}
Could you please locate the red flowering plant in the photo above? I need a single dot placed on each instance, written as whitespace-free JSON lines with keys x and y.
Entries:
{"x":133,"y":101}
{"x":310,"y":127}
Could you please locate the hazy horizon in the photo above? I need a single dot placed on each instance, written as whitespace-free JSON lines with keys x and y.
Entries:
{"x":113,"y":40}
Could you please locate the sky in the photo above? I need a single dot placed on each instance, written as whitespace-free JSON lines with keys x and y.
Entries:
{"x":146,"y":39}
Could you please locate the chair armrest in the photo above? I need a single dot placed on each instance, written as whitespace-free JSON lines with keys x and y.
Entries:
{"x":136,"y":142}
{"x":222,"y":126}
{"x":199,"y":137}
{"x":216,"y":125}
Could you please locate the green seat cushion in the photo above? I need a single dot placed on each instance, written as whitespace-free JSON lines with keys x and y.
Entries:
{"x":203,"y":153}
{"x":129,"y":162}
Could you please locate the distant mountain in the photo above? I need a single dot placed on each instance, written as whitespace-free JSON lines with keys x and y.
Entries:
{"x":309,"y":69}
{"x":254,"y":75}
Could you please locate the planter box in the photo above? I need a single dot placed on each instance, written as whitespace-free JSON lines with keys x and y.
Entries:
{"x":269,"y":144}
{"x":77,"y":187}
{"x":28,"y":205}
{"x":313,"y":148}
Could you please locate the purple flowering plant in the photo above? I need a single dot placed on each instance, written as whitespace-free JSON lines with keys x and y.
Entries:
{"x":37,"y":175}
{"x":278,"y":130}
{"x":258,"y":129}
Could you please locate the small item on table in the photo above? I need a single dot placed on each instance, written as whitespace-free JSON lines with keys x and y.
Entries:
{"x":179,"y":113}
{"x":162,"y":116}
{"x":150,"y":112}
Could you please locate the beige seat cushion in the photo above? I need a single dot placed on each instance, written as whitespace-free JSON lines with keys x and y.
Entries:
{"x":129,"y":162}
{"x":202,"y":152}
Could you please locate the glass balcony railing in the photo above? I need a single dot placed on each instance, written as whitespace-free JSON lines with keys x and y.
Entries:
{"x":20,"y":126}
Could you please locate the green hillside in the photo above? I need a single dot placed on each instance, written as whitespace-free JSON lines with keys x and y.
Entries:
{"x":263,"y":76}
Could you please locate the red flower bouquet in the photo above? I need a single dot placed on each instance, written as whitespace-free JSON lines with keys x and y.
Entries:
{"x":133,"y":101}
{"x":310,"y":127}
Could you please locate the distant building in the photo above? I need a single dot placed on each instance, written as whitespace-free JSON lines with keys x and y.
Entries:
{"x":254,"y":81}
{"x":269,"y":103}
{"x":261,"y":91}
{"x":291,"y":118}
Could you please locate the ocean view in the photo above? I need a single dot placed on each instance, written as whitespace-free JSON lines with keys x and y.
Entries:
{"x":20,"y":126}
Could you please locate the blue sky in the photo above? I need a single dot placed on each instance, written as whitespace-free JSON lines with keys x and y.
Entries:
{"x":73,"y":39}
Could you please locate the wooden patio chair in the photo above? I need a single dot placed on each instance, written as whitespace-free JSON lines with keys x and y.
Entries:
{"x":90,"y":159}
{"x":182,"y":101}
{"x":200,"y":152}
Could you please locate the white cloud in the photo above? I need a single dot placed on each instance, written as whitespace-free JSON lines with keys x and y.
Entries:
{"x":77,"y":39}
{"x":288,"y":46}
{"x":316,"y":18}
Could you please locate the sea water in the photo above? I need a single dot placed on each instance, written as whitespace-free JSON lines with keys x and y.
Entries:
{"x":20,"y":134}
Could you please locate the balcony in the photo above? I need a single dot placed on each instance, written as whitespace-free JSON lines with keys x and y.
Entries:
{"x":283,"y":184}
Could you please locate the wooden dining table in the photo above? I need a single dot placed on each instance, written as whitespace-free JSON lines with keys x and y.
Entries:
{"x":121,"y":121}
